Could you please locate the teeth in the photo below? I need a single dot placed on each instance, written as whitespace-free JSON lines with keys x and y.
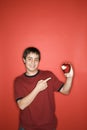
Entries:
{"x":63,"y":67}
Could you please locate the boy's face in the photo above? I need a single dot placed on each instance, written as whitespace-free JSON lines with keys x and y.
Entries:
{"x":31,"y":62}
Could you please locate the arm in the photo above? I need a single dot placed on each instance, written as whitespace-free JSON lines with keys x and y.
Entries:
{"x":68,"y":83}
{"x":26,"y":101}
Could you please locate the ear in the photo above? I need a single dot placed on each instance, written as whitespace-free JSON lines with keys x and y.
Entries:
{"x":23,"y":60}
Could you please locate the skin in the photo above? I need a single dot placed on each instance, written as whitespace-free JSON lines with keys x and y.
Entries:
{"x":31,"y":64}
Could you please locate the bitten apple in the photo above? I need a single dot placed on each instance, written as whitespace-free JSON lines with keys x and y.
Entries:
{"x":66,"y":67}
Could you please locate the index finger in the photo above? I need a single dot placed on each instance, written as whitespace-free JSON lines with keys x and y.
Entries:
{"x":47,"y":79}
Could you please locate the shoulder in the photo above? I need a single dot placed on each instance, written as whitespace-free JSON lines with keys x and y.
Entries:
{"x":46,"y":72}
{"x":19,"y":78}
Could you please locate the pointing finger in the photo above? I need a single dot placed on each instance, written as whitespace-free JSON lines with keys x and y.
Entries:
{"x":47,"y":79}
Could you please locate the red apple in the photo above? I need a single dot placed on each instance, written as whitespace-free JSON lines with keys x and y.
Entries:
{"x":66,"y":67}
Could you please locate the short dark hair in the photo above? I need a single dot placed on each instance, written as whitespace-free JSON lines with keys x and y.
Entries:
{"x":33,"y":50}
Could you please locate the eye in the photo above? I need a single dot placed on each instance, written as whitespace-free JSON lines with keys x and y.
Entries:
{"x":29,"y":59}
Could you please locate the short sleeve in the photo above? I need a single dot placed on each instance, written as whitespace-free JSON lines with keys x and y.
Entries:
{"x":18,"y":89}
{"x":57,"y":84}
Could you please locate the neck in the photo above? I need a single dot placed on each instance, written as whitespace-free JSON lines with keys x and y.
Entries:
{"x":31,"y":73}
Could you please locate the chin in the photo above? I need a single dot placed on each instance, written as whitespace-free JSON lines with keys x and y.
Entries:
{"x":33,"y":69}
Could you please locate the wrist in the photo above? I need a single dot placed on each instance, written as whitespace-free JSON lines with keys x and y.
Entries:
{"x":36,"y":89}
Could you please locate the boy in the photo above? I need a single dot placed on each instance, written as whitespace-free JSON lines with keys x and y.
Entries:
{"x":34,"y":93}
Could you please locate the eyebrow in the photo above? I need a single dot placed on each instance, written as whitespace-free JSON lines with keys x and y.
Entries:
{"x":32,"y":57}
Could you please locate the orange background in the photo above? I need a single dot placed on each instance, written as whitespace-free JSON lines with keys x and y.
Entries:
{"x":59,"y":29}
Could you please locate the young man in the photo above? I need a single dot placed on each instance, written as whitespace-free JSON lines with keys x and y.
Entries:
{"x":34,"y":93}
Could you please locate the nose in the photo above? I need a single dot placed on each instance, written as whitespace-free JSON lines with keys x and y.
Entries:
{"x":33,"y":61}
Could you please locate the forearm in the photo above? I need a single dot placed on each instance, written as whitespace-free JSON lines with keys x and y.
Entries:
{"x":67,"y":86}
{"x":68,"y":83}
{"x":26,"y":101}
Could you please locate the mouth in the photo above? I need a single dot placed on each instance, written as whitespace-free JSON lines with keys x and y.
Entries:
{"x":32,"y":67}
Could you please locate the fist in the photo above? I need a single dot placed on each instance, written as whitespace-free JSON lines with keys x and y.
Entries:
{"x":42,"y":84}
{"x":66,"y":67}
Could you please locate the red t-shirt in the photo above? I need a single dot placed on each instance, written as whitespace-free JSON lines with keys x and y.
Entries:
{"x":40,"y":114}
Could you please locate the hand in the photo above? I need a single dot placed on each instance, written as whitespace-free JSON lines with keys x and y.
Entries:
{"x":42,"y":84}
{"x":71,"y":73}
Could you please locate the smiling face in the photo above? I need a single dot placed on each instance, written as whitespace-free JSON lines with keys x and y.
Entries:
{"x":31,"y":63}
